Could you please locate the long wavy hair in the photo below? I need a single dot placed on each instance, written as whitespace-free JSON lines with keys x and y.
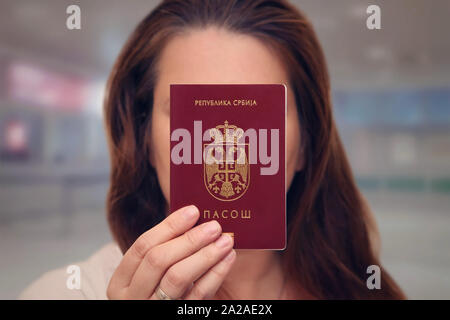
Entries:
{"x":329,"y":243}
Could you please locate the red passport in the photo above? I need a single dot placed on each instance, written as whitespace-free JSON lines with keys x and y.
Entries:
{"x":227,"y":154}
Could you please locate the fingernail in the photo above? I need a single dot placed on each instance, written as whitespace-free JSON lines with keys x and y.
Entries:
{"x":211,"y":227}
{"x":190,"y":212}
{"x":223,"y":241}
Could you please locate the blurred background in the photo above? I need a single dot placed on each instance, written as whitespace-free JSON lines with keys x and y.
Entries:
{"x":391,"y":90}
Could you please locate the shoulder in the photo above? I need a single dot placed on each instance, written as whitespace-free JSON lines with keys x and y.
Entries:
{"x":93,"y":276}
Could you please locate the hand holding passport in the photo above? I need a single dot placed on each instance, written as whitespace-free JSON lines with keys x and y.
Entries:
{"x":228,"y":158}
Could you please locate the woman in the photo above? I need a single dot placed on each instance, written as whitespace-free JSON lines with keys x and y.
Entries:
{"x":332,"y":237}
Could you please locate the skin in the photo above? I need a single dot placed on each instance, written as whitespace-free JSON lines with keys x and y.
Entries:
{"x":193,"y":263}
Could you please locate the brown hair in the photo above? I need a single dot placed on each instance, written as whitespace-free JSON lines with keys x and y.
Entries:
{"x":329,"y":246}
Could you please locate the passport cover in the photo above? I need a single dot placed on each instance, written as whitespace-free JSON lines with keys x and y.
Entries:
{"x":218,"y":165}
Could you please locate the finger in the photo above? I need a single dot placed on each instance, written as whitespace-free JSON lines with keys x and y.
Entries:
{"x":179,"y":276}
{"x":160,"y":258}
{"x":207,"y":286}
{"x":175,"y":224}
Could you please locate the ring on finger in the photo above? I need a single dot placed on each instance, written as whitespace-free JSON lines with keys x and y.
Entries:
{"x":161,"y":295}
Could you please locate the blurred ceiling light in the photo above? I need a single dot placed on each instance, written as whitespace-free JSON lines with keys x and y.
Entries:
{"x":16,"y":136}
{"x":379,"y":54}
{"x":37,"y":86}
{"x":96,"y":94}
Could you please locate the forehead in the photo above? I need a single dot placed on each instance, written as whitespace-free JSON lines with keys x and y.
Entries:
{"x":218,"y":56}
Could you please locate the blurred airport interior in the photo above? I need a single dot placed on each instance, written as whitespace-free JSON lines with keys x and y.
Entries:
{"x":391,"y":92}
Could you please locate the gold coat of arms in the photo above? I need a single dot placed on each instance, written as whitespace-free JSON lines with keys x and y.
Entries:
{"x":226,"y":166}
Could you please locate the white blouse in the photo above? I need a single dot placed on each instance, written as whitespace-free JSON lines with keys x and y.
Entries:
{"x":94,"y":275}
